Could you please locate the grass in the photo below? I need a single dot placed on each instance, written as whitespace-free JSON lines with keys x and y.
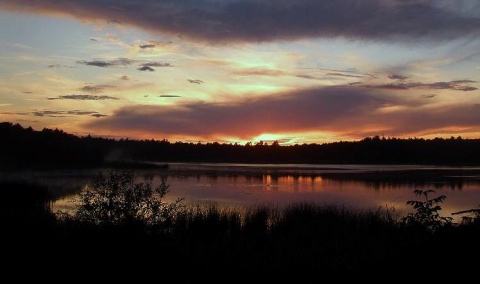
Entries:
{"x":205,"y":242}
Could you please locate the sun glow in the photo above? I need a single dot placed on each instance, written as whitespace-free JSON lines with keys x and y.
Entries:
{"x":268,"y":138}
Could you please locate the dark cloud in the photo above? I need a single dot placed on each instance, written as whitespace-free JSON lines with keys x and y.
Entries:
{"x":95,"y":89}
{"x":261,"y":20}
{"x":83,"y":98}
{"x":98,"y":115}
{"x":58,"y":66}
{"x":156,"y":64}
{"x":107,"y":64}
{"x":153,"y":44}
{"x":143,"y":46}
{"x":49,"y":113}
{"x":397,"y":77}
{"x":169,"y":96}
{"x":63,"y":113}
{"x":146,"y":68}
{"x":195,"y":81}
{"x":124,"y":78}
{"x":343,"y":75}
{"x":458,"y":85}
{"x":304,"y":110}
{"x":310,"y":77}
{"x":429,"y":96}
{"x":349,"y":111}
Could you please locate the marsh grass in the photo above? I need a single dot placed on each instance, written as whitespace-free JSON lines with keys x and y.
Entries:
{"x":210,"y":243}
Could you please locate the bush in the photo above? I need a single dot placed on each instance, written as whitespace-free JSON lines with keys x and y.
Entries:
{"x":117,"y":199}
{"x":427,"y":212}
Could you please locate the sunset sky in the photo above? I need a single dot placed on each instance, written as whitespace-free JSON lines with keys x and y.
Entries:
{"x":299,"y":71}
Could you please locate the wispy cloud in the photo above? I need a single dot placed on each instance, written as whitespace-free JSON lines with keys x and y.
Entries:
{"x":57,"y":113}
{"x":225,"y":21}
{"x":83,"y":98}
{"x":153,"y":44}
{"x":107,"y":64}
{"x":397,"y":77}
{"x":195,"y":81}
{"x":59,"y":66}
{"x":457,"y":85}
{"x":148,"y":45}
{"x":169,"y":96}
{"x":343,"y":75}
{"x":259,"y":71}
{"x":146,"y":68}
{"x":95,"y":89}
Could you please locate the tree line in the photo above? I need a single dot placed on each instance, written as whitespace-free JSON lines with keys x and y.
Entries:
{"x":26,"y":148}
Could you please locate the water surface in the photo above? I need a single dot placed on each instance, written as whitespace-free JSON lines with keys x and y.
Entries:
{"x":355,"y":186}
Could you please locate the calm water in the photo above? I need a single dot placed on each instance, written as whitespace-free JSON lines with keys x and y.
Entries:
{"x":356,"y":186}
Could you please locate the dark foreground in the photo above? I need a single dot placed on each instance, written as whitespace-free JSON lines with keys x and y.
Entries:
{"x":301,"y":243}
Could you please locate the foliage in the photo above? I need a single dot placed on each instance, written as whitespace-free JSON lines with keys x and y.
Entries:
{"x":117,"y":199}
{"x":470,"y":217}
{"x":427,"y":212}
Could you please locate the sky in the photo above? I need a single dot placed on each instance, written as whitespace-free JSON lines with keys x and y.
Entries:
{"x":234,"y":71}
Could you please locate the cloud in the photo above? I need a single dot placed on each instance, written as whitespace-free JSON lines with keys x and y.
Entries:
{"x":58,"y":66}
{"x":98,"y":115}
{"x":304,"y":110}
{"x":353,"y":111}
{"x":83,"y":98}
{"x":259,"y":20}
{"x":169,"y":96}
{"x":146,"y":68}
{"x":458,"y":85}
{"x":153,"y":44}
{"x":397,"y":77}
{"x":195,"y":81}
{"x":94,"y":89}
{"x":62,"y":113}
{"x":107,"y":64}
{"x":343,"y":75}
{"x":156,"y":64}
{"x":149,"y":45}
{"x":259,"y":71}
{"x":125,"y":78}
{"x":429,"y":96}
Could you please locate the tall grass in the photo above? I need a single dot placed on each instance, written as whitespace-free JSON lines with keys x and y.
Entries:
{"x":210,"y":243}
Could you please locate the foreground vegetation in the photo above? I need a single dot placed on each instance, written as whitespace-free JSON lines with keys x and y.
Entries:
{"x":128,"y":227}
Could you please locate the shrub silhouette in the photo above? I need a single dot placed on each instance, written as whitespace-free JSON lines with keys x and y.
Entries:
{"x":117,"y":199}
{"x":427,"y":213}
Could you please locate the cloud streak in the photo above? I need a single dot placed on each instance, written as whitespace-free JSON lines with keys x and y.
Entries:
{"x":83,"y":98}
{"x":260,"y":20}
{"x":107,"y":64}
{"x":457,"y":85}
{"x":353,"y":111}
{"x":58,"y":113}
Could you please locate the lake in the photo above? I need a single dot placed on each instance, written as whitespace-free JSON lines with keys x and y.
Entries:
{"x":240,"y":185}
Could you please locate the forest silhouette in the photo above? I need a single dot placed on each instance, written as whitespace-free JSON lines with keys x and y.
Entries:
{"x":26,"y":148}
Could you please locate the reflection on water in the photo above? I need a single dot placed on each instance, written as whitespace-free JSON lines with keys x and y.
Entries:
{"x":356,"y":186}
